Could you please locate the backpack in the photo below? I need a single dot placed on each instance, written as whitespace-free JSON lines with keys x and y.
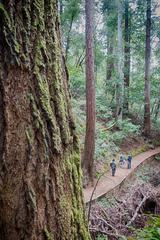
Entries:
{"x":113,"y":165}
{"x":129,"y":158}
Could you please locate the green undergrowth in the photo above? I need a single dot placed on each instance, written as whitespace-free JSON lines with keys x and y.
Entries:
{"x":108,"y":139}
{"x":125,"y":129}
{"x":150,"y":232}
{"x":157,"y":157}
{"x":144,"y":173}
{"x":139,"y":150}
{"x":101,"y":237}
{"x":108,"y":202}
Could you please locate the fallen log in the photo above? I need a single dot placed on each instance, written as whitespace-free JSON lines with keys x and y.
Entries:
{"x":137,"y":210}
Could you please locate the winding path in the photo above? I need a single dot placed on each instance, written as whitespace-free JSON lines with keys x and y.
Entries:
{"x":107,"y":182}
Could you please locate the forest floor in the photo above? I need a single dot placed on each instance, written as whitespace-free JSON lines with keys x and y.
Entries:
{"x":107,"y":182}
{"x":129,"y":205}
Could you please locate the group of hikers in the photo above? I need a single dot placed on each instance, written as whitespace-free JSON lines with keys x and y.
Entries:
{"x":122,"y":162}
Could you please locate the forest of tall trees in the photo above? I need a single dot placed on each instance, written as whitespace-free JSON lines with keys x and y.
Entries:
{"x":126,"y":52}
{"x":79,"y":92}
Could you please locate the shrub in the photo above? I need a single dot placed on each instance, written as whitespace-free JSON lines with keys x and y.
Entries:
{"x":151,"y":231}
{"x":126,"y":128}
{"x":101,"y":237}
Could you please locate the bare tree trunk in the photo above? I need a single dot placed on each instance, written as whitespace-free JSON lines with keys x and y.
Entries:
{"x":120,"y":84}
{"x":40,"y":176}
{"x":68,"y":38}
{"x":156,"y":108}
{"x":110,"y":66}
{"x":89,"y":148}
{"x":147,"y":117}
{"x":60,"y":7}
{"x":110,"y":59}
{"x":127,"y":57}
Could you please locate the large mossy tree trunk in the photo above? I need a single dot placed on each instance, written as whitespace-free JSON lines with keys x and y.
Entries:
{"x":40,"y":176}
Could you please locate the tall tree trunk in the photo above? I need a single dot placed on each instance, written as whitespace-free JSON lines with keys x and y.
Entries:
{"x":126,"y":57}
{"x":156,"y":108}
{"x":61,"y":7}
{"x":110,"y":58}
{"x":68,"y":37}
{"x":89,"y":148}
{"x":120,"y":84}
{"x":147,"y":117}
{"x":110,"y":66}
{"x":40,"y":176}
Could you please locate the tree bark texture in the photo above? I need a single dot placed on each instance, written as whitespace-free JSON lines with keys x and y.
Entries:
{"x":40,"y":176}
{"x":120,"y":83}
{"x":127,"y":57}
{"x":90,"y":95}
{"x":147,"y":117}
{"x":110,"y":58}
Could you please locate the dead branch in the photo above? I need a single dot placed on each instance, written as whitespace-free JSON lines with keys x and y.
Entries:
{"x":105,"y":232}
{"x":117,"y":218}
{"x":137,"y":210}
{"x":90,"y":201}
{"x":109,"y":225}
{"x":110,"y":127}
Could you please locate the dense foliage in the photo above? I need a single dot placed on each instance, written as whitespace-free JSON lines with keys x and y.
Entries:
{"x":106,"y":72}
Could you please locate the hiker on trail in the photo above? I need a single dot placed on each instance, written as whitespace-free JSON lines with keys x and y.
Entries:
{"x":122,"y":160}
{"x":129,"y":160}
{"x":113,"y":167}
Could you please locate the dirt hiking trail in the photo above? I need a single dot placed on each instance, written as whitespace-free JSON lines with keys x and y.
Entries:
{"x":107,"y":182}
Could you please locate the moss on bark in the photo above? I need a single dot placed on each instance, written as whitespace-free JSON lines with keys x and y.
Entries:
{"x":47,"y":199}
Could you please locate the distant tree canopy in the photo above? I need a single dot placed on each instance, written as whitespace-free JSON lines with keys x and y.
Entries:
{"x":106,"y":53}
